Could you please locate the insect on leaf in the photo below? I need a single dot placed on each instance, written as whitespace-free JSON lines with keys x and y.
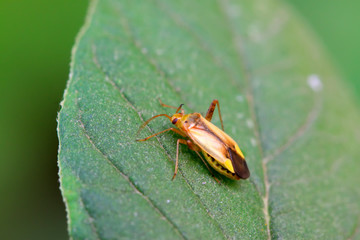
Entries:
{"x":280,"y":99}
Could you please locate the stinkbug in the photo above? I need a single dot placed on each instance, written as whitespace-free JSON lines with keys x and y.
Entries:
{"x":220,"y":151}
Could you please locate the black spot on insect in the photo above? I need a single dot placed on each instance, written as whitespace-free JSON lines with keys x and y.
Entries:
{"x":186,"y":121}
{"x":240,"y":167}
{"x":174,"y":120}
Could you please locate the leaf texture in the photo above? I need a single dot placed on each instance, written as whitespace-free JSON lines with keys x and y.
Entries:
{"x":280,"y":100}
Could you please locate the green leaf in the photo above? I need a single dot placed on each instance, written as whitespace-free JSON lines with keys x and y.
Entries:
{"x":281,"y":101}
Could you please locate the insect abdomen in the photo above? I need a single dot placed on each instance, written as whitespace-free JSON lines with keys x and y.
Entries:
{"x":219,"y":168}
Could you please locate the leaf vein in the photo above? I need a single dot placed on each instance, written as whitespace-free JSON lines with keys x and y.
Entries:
{"x":310,"y":119}
{"x":91,"y":219}
{"x":200,"y":41}
{"x":355,"y":231}
{"x":238,"y":45}
{"x":312,"y":116}
{"x":137,"y":44}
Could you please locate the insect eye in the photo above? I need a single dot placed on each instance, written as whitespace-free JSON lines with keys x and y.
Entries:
{"x":174,"y":121}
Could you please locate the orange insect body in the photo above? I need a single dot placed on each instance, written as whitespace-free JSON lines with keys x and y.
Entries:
{"x":220,"y":151}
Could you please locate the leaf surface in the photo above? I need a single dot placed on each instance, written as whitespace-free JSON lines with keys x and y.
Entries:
{"x":280,"y":100}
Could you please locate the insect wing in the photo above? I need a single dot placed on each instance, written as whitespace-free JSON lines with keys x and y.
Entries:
{"x":209,"y":143}
{"x":220,"y":146}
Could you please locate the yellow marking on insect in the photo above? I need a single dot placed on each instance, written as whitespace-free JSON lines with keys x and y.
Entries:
{"x":239,"y":151}
{"x":229,"y":165}
{"x":220,"y":151}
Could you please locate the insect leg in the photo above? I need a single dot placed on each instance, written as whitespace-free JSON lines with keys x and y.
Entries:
{"x":210,"y":112}
{"x":196,"y":149}
{"x":207,"y":166}
{"x":169,"y":129}
{"x":182,"y":141}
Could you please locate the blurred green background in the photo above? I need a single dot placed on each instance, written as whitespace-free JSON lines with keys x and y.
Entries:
{"x":35,"y":45}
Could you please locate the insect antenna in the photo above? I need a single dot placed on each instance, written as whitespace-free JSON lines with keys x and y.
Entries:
{"x":165,"y":105}
{"x":147,"y":121}
{"x":179,"y":108}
